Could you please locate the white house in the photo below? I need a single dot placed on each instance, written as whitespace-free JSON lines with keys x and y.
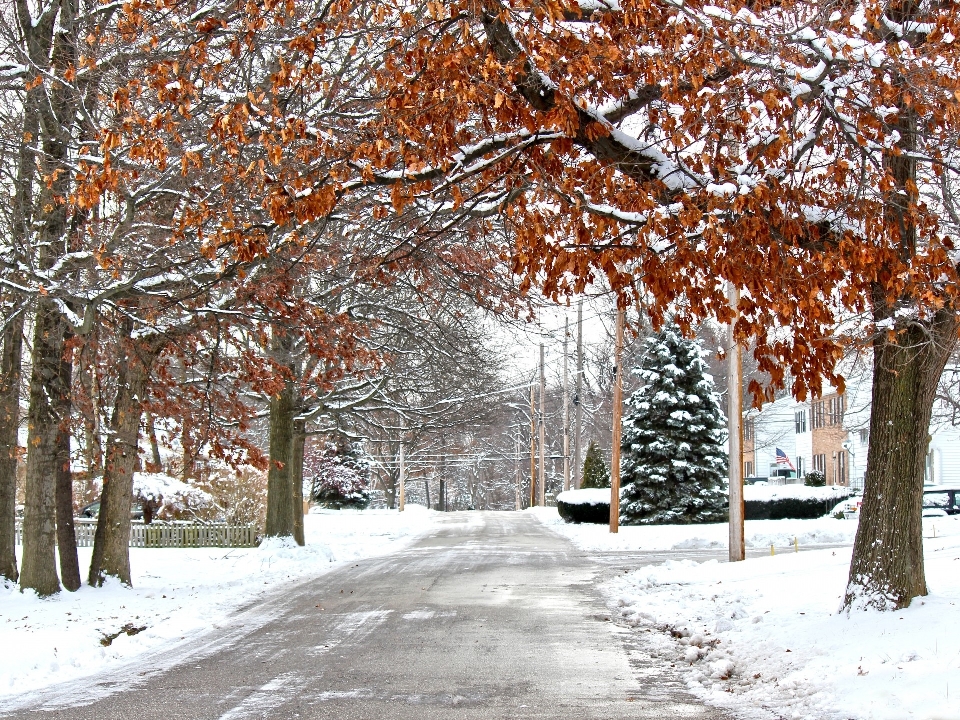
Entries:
{"x":831,"y":434}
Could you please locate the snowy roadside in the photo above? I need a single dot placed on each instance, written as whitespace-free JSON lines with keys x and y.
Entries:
{"x":177,"y":593}
{"x":763,"y":638}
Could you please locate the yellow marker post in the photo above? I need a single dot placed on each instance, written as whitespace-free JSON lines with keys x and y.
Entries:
{"x":796,"y":545}
{"x":772,"y":551}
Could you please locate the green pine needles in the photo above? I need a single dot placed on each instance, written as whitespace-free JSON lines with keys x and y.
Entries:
{"x":673,"y":467}
{"x":595,"y":472}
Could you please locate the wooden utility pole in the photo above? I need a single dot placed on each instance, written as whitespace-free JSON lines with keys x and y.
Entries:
{"x":615,"y":441}
{"x":533,"y":449}
{"x":442,"y":490}
{"x":541,"y":495}
{"x":735,"y":419}
{"x":519,"y":507}
{"x":566,"y":409}
{"x":403,"y":479}
{"x":578,"y":401}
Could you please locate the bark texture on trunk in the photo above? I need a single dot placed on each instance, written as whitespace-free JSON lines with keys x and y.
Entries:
{"x":111,"y":549}
{"x":280,"y":496}
{"x":11,"y":359}
{"x":66,"y":535}
{"x":10,"y":366}
{"x":156,"y":464}
{"x":280,"y":491}
{"x":38,"y":571}
{"x":296,"y":478}
{"x":886,"y":571}
{"x":390,"y":484}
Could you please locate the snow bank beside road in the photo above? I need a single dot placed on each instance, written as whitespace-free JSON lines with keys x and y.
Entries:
{"x":177,"y":592}
{"x":763,"y":637}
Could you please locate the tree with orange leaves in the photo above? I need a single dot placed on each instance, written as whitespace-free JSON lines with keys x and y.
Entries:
{"x":803,"y":151}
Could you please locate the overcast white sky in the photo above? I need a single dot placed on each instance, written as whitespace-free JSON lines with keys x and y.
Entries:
{"x":523,"y":343}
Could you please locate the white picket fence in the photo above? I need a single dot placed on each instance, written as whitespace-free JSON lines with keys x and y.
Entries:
{"x":172,"y":535}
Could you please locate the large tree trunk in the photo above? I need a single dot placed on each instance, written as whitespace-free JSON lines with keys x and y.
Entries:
{"x":886,"y":571}
{"x":9,"y":423}
{"x":296,"y":478}
{"x":66,"y":535}
{"x":39,"y":518}
{"x":11,"y":359}
{"x":280,"y":499}
{"x":280,"y":494}
{"x":111,"y":549}
{"x":390,"y":489}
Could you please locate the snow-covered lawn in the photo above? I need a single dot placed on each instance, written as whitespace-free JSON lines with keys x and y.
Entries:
{"x":764,"y":638}
{"x":176,"y":593}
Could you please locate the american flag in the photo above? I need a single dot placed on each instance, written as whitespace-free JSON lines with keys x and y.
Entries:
{"x":782,"y":459}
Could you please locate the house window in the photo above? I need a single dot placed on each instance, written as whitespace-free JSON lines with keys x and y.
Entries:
{"x":820,"y":463}
{"x":800,"y":472}
{"x":864,"y":437}
{"x":800,"y":421}
{"x":749,"y":431}
{"x":841,"y":471}
{"x":817,"y":411}
{"x":835,"y":409}
{"x":748,"y":469}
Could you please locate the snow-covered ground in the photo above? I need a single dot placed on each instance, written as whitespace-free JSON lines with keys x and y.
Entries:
{"x":177,"y":593}
{"x":764,"y":637}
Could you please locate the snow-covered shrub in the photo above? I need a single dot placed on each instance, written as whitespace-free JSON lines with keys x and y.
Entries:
{"x":338,"y":475}
{"x":240,"y":494}
{"x":163,"y":497}
{"x":674,"y":467}
{"x":595,"y":472}
{"x":591,"y":505}
{"x":814,"y":478}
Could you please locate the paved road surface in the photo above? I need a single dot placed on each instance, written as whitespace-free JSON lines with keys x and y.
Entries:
{"x":492,"y":616}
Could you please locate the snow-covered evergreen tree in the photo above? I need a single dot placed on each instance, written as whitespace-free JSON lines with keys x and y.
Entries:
{"x":595,"y":472}
{"x":673,"y":467}
{"x":340,"y":474}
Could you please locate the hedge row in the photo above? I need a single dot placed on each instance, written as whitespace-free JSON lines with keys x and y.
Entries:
{"x":793,"y":508}
{"x":584,"y":513}
{"x":776,"y":509}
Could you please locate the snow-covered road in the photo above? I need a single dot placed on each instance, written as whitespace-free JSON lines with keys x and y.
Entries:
{"x":489,"y":615}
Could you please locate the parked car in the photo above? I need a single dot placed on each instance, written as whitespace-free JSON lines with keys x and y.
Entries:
{"x":940,"y":501}
{"x":937,"y":502}
{"x":93,"y":511}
